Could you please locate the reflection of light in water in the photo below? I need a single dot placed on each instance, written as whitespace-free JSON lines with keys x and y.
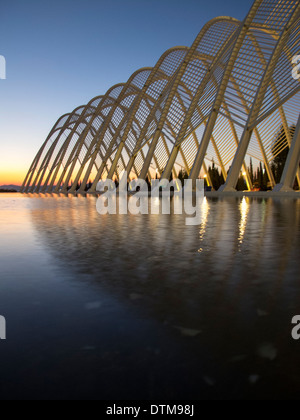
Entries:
{"x":244,"y":209}
{"x":205,"y":212}
{"x":155,"y":205}
{"x":264,"y":212}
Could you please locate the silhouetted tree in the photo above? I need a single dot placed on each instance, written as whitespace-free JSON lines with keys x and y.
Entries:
{"x":251,"y":172}
{"x":280,"y":150}
{"x":241,"y":184}
{"x":216,"y":176}
{"x":182,"y":176}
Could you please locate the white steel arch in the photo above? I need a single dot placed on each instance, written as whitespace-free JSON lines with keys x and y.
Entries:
{"x":223,"y":100}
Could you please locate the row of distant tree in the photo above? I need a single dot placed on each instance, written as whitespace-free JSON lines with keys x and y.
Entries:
{"x":2,"y":190}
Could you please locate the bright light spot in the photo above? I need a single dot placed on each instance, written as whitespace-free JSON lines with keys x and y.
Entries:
{"x":205,"y":213}
{"x":244,"y":209}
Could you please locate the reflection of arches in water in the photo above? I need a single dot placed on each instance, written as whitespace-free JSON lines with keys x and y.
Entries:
{"x":156,"y":256}
{"x":151,"y":264}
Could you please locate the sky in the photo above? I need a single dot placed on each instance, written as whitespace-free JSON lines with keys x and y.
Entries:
{"x":62,"y":53}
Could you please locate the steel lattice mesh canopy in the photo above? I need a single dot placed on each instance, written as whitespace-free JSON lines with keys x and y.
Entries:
{"x":228,"y":98}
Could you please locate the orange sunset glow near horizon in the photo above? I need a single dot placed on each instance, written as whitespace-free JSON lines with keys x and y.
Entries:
{"x":12,"y":177}
{"x":14,"y":164}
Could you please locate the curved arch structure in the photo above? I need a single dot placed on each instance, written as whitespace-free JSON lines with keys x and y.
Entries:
{"x":222,"y":100}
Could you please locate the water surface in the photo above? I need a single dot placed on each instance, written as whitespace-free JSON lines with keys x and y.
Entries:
{"x":144,"y":307}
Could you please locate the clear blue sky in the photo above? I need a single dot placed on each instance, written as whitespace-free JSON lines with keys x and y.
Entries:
{"x":60,"y":54}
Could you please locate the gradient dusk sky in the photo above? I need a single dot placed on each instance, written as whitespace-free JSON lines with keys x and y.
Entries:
{"x":60,"y":54}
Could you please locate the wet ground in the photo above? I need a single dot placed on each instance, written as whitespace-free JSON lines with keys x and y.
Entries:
{"x":145,"y":307}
